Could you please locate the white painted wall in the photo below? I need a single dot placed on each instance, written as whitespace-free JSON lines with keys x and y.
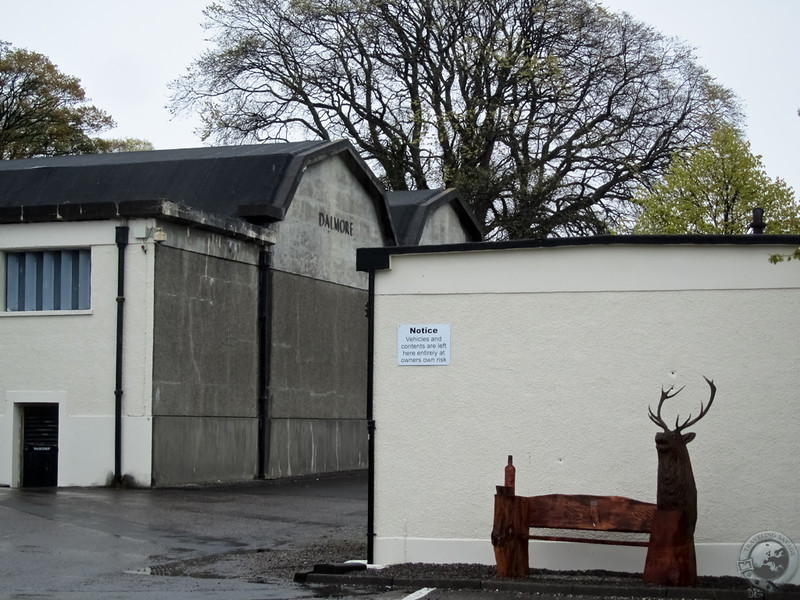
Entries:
{"x":556,"y":354}
{"x":68,"y":357}
{"x":137,"y":375}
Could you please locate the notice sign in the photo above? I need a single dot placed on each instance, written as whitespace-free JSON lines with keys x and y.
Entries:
{"x":423,"y":345}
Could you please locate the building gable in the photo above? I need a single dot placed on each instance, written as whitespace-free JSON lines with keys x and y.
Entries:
{"x":428,"y":217}
{"x":332,"y":214}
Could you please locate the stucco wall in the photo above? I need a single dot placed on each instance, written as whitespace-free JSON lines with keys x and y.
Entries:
{"x":68,"y":358}
{"x":556,"y":354}
{"x":205,"y":359}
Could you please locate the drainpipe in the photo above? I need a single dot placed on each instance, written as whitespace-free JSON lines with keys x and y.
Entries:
{"x":370,"y":420}
{"x":122,"y":241}
{"x":264,"y":333}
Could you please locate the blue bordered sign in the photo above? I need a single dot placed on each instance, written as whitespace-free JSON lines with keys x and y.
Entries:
{"x":423,"y":345}
{"x":768,"y":559}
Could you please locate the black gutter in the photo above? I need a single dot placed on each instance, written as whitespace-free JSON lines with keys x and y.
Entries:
{"x":122,"y":242}
{"x":264,"y":357}
{"x":368,"y":259}
{"x":370,"y":421}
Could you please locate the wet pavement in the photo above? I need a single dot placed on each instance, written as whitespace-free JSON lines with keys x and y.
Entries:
{"x":198,"y":542}
{"x":240,"y":542}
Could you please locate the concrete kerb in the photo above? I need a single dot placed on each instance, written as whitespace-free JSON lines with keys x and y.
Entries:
{"x":347,"y":575}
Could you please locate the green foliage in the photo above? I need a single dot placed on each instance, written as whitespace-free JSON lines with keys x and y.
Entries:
{"x":713,"y":188}
{"x":105,"y":146}
{"x":778,"y":258}
{"x":43,"y":112}
{"x":545,"y":113}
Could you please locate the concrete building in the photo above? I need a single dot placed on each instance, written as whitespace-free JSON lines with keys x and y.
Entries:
{"x":552,"y":352}
{"x":191,"y":316}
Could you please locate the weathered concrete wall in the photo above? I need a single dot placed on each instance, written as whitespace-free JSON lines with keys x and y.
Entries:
{"x":204,"y":449}
{"x":205,"y":360}
{"x":318,"y":377}
{"x":308,"y":446}
{"x":331,"y":215}
{"x":443,"y":227}
{"x":319,"y":355}
{"x":319,"y":330}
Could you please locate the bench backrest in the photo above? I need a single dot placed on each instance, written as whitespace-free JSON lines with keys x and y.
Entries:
{"x":597,"y":513}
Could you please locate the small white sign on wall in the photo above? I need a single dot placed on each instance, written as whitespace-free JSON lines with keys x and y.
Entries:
{"x":423,"y":345}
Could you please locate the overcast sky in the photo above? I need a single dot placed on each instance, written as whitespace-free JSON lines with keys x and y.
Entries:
{"x":126,"y":52}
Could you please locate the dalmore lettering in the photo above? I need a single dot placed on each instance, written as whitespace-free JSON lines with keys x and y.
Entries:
{"x":336,"y":224}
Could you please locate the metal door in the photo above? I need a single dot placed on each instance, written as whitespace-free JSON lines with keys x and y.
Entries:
{"x":40,"y":445}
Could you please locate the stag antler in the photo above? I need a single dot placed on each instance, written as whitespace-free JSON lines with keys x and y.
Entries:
{"x":665,"y":395}
{"x":703,"y":409}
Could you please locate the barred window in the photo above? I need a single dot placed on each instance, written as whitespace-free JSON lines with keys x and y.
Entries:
{"x":48,"y":280}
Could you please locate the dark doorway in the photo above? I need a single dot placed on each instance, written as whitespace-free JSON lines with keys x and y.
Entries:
{"x":40,"y":445}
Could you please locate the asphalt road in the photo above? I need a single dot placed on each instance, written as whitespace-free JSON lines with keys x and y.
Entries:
{"x":237,"y":542}
{"x":242,"y":542}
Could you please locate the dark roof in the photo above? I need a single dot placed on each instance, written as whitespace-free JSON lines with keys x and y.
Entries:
{"x":253,"y":183}
{"x":212,"y":179}
{"x":232,"y":188}
{"x":411,"y":210}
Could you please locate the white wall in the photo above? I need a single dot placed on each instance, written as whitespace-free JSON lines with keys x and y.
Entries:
{"x":137,"y":374}
{"x":68,"y":357}
{"x":556,"y":354}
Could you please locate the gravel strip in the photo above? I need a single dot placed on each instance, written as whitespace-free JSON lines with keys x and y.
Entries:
{"x":276,"y":564}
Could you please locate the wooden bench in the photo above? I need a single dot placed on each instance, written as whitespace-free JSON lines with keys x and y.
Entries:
{"x":670,"y":523}
{"x":514,"y":516}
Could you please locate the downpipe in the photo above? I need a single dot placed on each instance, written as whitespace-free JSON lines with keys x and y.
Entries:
{"x":370,"y":420}
{"x":122,"y":242}
{"x":264,"y":334}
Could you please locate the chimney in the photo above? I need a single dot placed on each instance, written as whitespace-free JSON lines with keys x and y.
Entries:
{"x":757,"y":226}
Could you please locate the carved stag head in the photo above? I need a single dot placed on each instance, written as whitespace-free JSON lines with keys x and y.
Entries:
{"x":670,"y":437}
{"x":676,"y":487}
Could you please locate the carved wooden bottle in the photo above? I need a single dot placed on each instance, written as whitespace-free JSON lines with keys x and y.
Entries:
{"x":511,"y":473}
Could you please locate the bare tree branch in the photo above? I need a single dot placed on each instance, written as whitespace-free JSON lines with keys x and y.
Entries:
{"x":547,"y":114}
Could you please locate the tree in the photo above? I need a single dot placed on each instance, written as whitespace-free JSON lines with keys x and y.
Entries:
{"x":713,"y":188}
{"x":43,"y":112}
{"x":545,"y":113}
{"x":105,"y":146}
